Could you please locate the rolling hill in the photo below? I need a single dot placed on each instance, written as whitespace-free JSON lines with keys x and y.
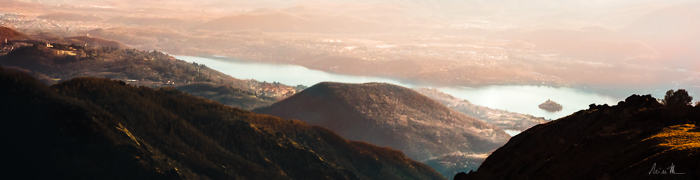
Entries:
{"x":10,"y":34}
{"x":390,"y":115}
{"x":96,"y":128}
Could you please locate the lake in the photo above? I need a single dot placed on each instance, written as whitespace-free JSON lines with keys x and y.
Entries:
{"x":526,"y":99}
{"x":514,"y":98}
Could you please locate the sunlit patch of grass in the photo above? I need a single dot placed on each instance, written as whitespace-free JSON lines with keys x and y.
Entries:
{"x":678,"y":137}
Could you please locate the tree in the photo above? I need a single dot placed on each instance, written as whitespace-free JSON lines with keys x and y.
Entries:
{"x":676,"y":98}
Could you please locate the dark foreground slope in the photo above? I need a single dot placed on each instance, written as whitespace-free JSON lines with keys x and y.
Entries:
{"x":390,"y":115}
{"x":637,"y":139}
{"x":95,"y":128}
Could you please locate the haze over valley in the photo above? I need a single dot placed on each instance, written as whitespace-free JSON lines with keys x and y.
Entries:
{"x":341,"y":89}
{"x":593,"y":44}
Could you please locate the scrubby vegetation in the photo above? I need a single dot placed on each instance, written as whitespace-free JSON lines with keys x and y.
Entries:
{"x":88,"y":128}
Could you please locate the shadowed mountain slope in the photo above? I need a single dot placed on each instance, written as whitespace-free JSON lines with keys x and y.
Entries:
{"x":390,"y":115}
{"x":227,"y":95}
{"x":96,"y":128}
{"x":636,"y":139}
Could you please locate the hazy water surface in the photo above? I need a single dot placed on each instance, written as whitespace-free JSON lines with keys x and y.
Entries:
{"x":514,"y":98}
{"x":526,"y":99}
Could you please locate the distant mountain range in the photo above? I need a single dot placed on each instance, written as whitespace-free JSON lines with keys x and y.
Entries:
{"x":96,"y":128}
{"x":390,"y":115}
{"x":639,"y":138}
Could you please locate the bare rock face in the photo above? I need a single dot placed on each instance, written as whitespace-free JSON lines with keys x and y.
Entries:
{"x":550,"y":106}
{"x":636,"y":139}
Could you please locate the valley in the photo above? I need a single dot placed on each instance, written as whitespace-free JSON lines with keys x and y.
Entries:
{"x":158,"y":70}
{"x":473,"y":51}
{"x":515,"y":98}
{"x":349,"y":89}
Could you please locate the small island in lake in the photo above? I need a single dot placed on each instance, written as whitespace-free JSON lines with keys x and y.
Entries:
{"x":551,"y":106}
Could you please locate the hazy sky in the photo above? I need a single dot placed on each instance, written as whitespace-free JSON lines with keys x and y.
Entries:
{"x":649,"y":31}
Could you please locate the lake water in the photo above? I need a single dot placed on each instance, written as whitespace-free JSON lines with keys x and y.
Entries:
{"x":514,"y":98}
{"x":526,"y":99}
{"x":286,"y":74}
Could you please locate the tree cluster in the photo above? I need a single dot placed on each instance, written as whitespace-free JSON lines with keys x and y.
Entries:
{"x":677,"y":98}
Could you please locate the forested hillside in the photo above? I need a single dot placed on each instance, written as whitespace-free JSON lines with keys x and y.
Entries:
{"x":88,"y":128}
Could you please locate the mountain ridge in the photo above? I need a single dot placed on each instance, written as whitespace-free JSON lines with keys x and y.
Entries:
{"x":106,"y":128}
{"x":389,"y":115}
{"x":57,"y":61}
